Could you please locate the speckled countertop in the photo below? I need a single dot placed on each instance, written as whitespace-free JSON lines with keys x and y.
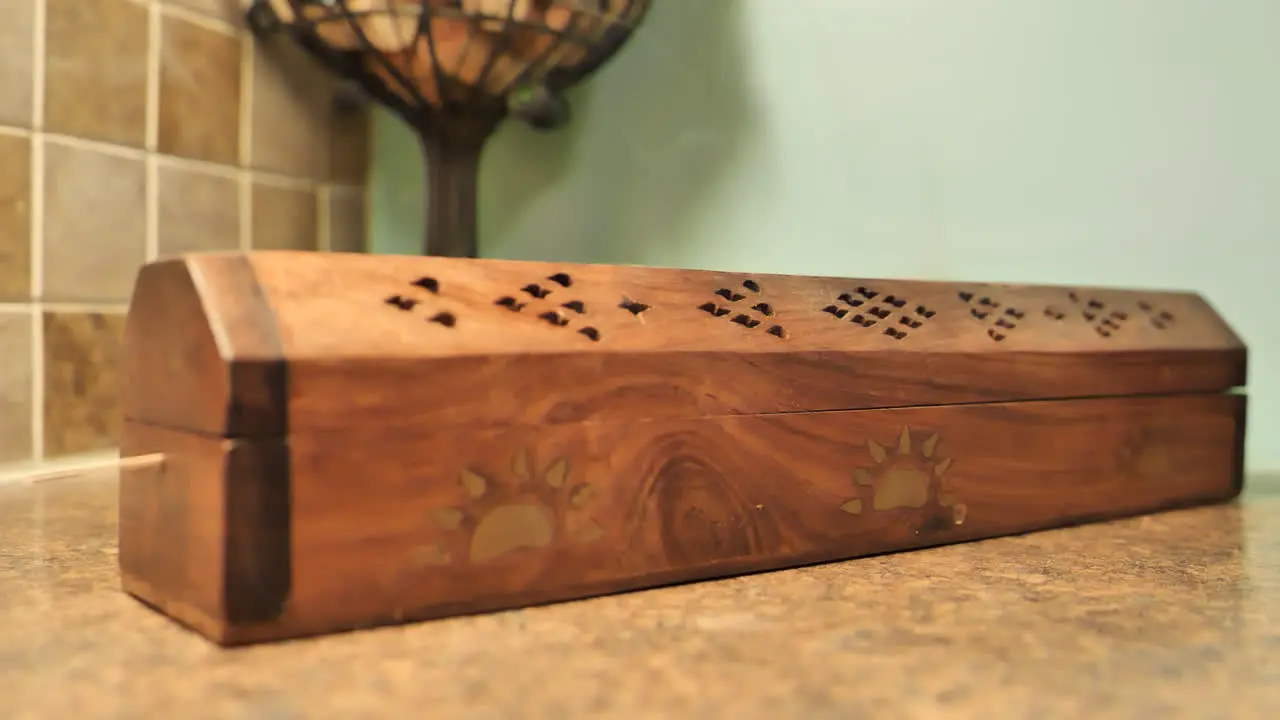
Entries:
{"x":1176,"y":615}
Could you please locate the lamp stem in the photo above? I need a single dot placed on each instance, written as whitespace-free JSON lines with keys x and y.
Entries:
{"x":452,"y":146}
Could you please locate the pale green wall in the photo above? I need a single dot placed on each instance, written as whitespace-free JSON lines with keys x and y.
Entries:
{"x":1125,"y":142}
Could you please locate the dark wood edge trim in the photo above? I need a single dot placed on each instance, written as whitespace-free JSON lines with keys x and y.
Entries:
{"x":1241,"y":415}
{"x":1243,"y":366}
{"x":258,"y":555}
{"x":258,"y":405}
{"x":235,"y":303}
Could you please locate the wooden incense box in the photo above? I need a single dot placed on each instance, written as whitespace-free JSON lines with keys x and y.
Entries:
{"x":353,"y":440}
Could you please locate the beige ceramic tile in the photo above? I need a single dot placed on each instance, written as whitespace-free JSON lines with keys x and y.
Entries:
{"x":349,"y":147}
{"x":197,"y":211}
{"x":346,"y":219}
{"x":94,"y":208}
{"x":199,"y":92}
{"x":17,"y":62}
{"x":229,"y":11}
{"x":15,"y":218}
{"x":15,"y":386}
{"x":292,"y":108}
{"x":96,"y":70}
{"x":81,"y":382}
{"x":283,"y":218}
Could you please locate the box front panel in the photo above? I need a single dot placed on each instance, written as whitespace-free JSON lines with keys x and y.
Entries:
{"x":393,"y":522}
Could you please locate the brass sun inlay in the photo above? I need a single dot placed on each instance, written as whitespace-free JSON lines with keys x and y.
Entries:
{"x":907,"y":476}
{"x":529,"y":511}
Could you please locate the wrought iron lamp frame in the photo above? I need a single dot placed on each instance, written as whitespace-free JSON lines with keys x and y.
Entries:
{"x":454,"y":128}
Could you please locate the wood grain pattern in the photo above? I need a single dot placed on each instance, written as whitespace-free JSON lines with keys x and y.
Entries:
{"x":201,"y":350}
{"x":355,"y":440}
{"x":648,"y":503}
{"x":359,"y":321}
{"x":205,"y":537}
{"x":399,"y":523}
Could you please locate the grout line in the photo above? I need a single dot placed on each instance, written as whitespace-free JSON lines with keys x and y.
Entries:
{"x":37,"y":292}
{"x":245,"y":150}
{"x":37,"y":216}
{"x":38,"y":65}
{"x":153,"y":79}
{"x":205,"y":166}
{"x":111,"y":308}
{"x":37,"y":382}
{"x":284,"y":182}
{"x":105,"y":148}
{"x":324,"y":219}
{"x":246,"y":212}
{"x":37,"y":181}
{"x":244,"y":176}
{"x":151,"y":233}
{"x":198,"y":18}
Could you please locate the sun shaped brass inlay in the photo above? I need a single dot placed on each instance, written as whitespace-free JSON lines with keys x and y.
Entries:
{"x":909,"y":475}
{"x":527,"y":511}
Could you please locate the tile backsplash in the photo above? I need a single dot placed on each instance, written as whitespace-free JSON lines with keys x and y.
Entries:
{"x":132,"y":130}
